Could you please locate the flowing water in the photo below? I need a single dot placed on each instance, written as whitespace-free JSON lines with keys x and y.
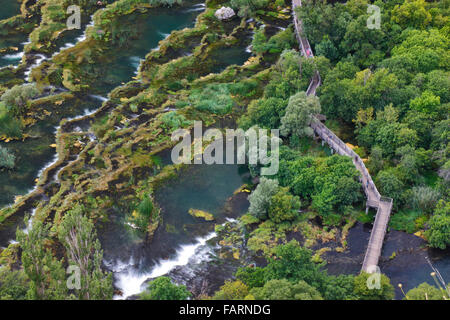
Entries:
{"x":146,"y":30}
{"x":180,"y":237}
{"x":181,"y":242}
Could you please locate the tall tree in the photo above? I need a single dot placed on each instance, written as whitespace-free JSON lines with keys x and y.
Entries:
{"x":299,"y":114}
{"x":47,"y":274}
{"x":77,"y":233}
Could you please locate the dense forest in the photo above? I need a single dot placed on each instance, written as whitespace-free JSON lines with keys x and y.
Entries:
{"x":384,"y":91}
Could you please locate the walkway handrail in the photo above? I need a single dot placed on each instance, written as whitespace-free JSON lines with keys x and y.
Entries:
{"x":384,"y":204}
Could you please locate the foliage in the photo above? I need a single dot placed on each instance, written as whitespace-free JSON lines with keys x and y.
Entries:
{"x":439,"y":233}
{"x":17,"y":97}
{"x":331,"y":183}
{"x":424,"y":291}
{"x":232,"y":290}
{"x":260,"y":199}
{"x":292,"y":262}
{"x":214,"y":98}
{"x":248,"y":7}
{"x":276,"y":44}
{"x":411,"y":13}
{"x":362,"y":290}
{"x":7,"y":159}
{"x":14,"y":285}
{"x":173,"y":120}
{"x":339,"y":288}
{"x":283,"y":206}
{"x":299,"y":113}
{"x":77,"y":233}
{"x":424,"y":198}
{"x":46,"y":274}
{"x":9,"y":125}
{"x":162,"y":288}
{"x":284,"y":290}
{"x":252,"y":277}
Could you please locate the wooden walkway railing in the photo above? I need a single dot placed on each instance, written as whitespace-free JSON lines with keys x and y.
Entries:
{"x":374,"y":199}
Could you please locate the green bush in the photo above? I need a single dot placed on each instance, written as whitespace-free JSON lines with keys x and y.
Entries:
{"x":173,"y":120}
{"x":163,"y":289}
{"x":215,"y":98}
{"x":7,"y":159}
{"x":9,"y":125}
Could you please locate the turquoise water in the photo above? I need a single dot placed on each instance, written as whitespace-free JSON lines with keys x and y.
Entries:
{"x":134,"y":259}
{"x":9,"y":8}
{"x":146,"y":30}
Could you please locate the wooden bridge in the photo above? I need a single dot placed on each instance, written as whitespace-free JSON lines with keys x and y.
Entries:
{"x":373,"y":197}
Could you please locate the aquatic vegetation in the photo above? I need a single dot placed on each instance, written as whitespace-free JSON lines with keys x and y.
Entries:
{"x":111,"y":162}
{"x":201,"y":214}
{"x":7,"y":159}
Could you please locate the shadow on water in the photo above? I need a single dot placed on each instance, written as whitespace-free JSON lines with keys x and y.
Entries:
{"x":9,"y":9}
{"x":407,"y":266}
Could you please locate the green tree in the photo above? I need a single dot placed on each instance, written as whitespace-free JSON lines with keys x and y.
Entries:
{"x":438,"y":234}
{"x":283,"y":206}
{"x":424,"y":198}
{"x":340,"y":288}
{"x":427,"y":103}
{"x":47,"y":274}
{"x":232,"y":290}
{"x":389,"y":185}
{"x":248,"y":7}
{"x":364,"y":292}
{"x":14,"y":285}
{"x":411,"y":13}
{"x":259,"y":42}
{"x":285,"y":290}
{"x":260,"y":198}
{"x":292,"y":262}
{"x":17,"y":97}
{"x":252,"y":277}
{"x":424,"y":291}
{"x":299,"y":114}
{"x":77,"y":233}
{"x":162,"y":288}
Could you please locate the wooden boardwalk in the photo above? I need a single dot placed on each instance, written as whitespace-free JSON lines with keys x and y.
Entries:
{"x":373,"y":197}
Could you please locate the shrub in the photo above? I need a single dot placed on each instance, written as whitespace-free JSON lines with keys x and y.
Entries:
{"x":362,"y":290}
{"x":424,"y":198}
{"x":17,"y":97}
{"x":232,"y":290}
{"x":283,"y":206}
{"x":260,"y":198}
{"x":285,"y":290}
{"x":162,"y":288}
{"x":7,"y":159}
{"x":173,"y":120}
{"x":9,"y":126}
{"x":215,"y":98}
{"x":439,"y":233}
